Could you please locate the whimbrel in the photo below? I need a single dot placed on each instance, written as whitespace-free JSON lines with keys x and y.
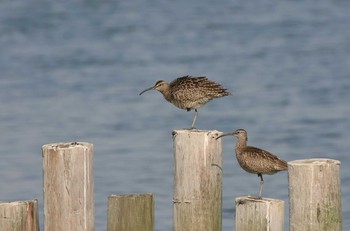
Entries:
{"x":189,"y":92}
{"x":255,"y":160}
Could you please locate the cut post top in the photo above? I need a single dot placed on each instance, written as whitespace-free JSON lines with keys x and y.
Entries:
{"x":314,"y":161}
{"x":18,"y":202}
{"x":193,"y":130}
{"x":66,"y":145}
{"x":216,"y":133}
{"x":130,"y":195}
{"x":245,"y":199}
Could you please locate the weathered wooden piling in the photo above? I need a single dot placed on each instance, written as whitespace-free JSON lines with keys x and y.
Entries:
{"x":19,"y":216}
{"x":259,"y":214}
{"x":314,"y":195}
{"x":197,"y":180}
{"x":68,"y":186}
{"x":130,"y":212}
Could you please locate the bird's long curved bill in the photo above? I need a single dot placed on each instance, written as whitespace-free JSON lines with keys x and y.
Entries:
{"x":148,"y":89}
{"x":226,"y":134}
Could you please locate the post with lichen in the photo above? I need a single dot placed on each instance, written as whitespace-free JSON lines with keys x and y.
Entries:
{"x":197,"y":180}
{"x":314,"y":195}
{"x":68,"y":186}
{"x":259,"y":214}
{"x":19,"y":215}
{"x":130,"y":212}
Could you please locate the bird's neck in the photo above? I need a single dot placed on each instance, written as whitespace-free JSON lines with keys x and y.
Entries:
{"x":166,"y":92}
{"x":241,"y":143}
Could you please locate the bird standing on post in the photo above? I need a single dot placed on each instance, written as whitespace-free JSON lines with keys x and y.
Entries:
{"x":189,"y":92}
{"x":255,"y":160}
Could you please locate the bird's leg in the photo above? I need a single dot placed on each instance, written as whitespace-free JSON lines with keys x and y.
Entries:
{"x":261,"y":184}
{"x":195,"y":117}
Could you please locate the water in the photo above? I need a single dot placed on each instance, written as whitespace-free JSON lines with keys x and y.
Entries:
{"x":72,"y":71}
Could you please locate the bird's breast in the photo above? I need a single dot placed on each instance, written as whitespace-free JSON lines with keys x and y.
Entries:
{"x":188,"y":102}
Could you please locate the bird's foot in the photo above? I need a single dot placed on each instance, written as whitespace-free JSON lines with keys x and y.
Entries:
{"x":254,"y":197}
{"x":192,"y":128}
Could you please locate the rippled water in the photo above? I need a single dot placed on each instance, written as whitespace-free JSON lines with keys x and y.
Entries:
{"x":72,"y":71}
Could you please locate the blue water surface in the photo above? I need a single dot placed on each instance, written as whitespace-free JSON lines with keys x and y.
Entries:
{"x":72,"y":71}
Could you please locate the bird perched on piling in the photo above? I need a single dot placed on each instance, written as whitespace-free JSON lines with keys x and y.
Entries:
{"x":255,"y":160}
{"x":189,"y":92}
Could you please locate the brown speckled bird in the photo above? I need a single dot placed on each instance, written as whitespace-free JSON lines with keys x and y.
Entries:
{"x":255,"y":160}
{"x":189,"y":92}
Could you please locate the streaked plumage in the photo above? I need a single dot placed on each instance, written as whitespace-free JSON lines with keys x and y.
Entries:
{"x":255,"y":160}
{"x":189,"y":92}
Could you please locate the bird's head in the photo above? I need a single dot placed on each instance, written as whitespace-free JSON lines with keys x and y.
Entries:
{"x":239,"y":133}
{"x":160,"y":86}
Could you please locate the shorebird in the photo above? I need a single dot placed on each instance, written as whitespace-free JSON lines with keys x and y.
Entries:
{"x":255,"y":160}
{"x":189,"y":92}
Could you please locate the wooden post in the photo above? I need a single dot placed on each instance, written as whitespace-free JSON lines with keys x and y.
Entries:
{"x":130,"y":212}
{"x":197,"y":180}
{"x":68,"y":186}
{"x":259,"y":214}
{"x":314,"y":195}
{"x":19,"y":216}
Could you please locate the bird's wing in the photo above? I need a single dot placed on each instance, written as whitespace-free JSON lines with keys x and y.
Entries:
{"x":187,"y":87}
{"x":196,"y":88}
{"x":262,"y":161}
